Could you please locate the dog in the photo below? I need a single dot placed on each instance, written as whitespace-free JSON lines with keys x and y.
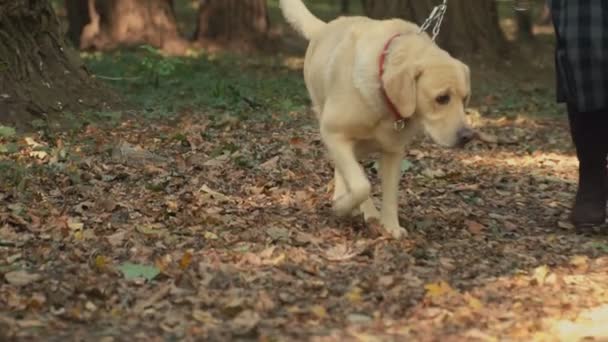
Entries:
{"x":374,"y":86}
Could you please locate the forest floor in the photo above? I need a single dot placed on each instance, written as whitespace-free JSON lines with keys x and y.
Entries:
{"x":205,"y":215}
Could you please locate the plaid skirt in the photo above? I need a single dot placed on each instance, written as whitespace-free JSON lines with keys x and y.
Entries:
{"x":581,"y":53}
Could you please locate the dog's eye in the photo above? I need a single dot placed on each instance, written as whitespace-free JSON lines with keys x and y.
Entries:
{"x":443,"y":99}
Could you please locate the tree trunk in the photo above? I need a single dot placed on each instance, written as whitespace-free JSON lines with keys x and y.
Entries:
{"x":544,"y":17}
{"x":344,"y":6}
{"x":108,"y":24}
{"x":470,"y":26}
{"x":39,"y":74}
{"x":524,"y":25}
{"x":235,"y":24}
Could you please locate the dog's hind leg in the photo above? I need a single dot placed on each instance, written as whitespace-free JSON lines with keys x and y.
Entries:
{"x":341,"y":150}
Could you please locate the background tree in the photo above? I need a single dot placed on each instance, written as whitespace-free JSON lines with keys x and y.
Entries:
{"x":237,"y":24}
{"x":103,"y":25}
{"x":524,"y":25}
{"x":470,"y":26}
{"x":39,"y":74}
{"x":344,"y":6}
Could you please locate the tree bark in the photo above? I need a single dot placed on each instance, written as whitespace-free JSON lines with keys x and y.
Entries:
{"x":39,"y":74}
{"x":469,"y":27}
{"x":544,"y":18}
{"x":234,"y":24}
{"x":108,"y":24}
{"x":344,"y":6}
{"x":524,"y":25}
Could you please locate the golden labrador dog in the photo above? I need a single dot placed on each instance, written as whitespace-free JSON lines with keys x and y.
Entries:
{"x":374,"y":85}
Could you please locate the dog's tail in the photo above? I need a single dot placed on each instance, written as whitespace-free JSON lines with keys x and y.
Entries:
{"x":300,"y":18}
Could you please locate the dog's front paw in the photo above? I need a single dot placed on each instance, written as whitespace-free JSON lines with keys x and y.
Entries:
{"x":343,"y":205}
{"x":393,"y":228}
{"x":370,"y":212}
{"x":397,"y":232}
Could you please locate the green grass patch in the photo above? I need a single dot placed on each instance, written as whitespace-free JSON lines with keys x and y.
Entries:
{"x":161,"y":86}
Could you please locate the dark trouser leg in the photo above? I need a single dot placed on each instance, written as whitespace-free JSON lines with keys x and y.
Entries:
{"x":590,"y":136}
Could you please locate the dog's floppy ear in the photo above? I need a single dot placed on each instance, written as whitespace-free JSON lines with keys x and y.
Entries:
{"x":400,"y":88}
{"x":467,"y":80}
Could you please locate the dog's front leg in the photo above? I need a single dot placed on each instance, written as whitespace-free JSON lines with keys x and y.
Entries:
{"x":342,"y":152}
{"x":390,"y":173}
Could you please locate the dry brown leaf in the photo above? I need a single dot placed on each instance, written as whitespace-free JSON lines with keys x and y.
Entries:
{"x":21,"y":278}
{"x":340,"y":252}
{"x":474,"y":227}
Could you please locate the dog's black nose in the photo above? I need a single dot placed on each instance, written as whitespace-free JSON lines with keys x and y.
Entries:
{"x":465,"y":135}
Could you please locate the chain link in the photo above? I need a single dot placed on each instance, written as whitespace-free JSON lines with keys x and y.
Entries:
{"x":436,"y":17}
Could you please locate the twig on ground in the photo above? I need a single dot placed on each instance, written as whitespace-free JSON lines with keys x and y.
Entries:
{"x":110,"y":78}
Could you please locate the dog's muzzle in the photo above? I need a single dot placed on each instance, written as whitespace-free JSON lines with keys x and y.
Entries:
{"x":465,"y":136}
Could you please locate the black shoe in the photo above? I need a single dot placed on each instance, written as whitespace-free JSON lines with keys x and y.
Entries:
{"x":589,"y":137}
{"x":589,"y":209}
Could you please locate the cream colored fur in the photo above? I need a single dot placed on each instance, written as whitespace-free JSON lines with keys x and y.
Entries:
{"x":342,"y":78}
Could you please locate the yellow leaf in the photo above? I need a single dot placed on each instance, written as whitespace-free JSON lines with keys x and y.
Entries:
{"x":540,"y":274}
{"x":580,"y":261}
{"x":354,"y":295}
{"x":435,"y":290}
{"x":75,"y":224}
{"x":210,"y":236}
{"x":185,"y":261}
{"x":100,"y":262}
{"x":473,"y":302}
{"x":277,"y":260}
{"x":319,"y":311}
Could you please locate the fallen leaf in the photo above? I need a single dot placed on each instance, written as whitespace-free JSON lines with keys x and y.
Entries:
{"x":473,"y":302}
{"x":270,"y":164}
{"x":210,"y":236}
{"x":277,"y":233}
{"x":580,"y":261}
{"x":21,"y":278}
{"x":101,"y":262}
{"x":133,"y":271}
{"x":358,"y":318}
{"x":185,"y":261}
{"x":7,"y":132}
{"x":340,"y":252}
{"x":540,"y":274}
{"x":245,"y":323}
{"x":439,"y":289}
{"x":214,"y":194}
{"x":386,"y":281}
{"x":318,"y":311}
{"x":117,"y":238}
{"x":160,"y":293}
{"x":430,"y":173}
{"x":474,"y":228}
{"x":354,"y":295}
{"x":406,"y":165}
{"x":205,"y":317}
{"x":75,"y":224}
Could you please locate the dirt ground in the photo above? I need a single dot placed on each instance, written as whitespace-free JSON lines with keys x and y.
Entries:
{"x":195,"y":229}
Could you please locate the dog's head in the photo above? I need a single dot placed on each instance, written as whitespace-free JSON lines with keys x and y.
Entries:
{"x":437,"y":89}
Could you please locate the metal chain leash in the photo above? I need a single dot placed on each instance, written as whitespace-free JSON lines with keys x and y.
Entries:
{"x":436,"y":17}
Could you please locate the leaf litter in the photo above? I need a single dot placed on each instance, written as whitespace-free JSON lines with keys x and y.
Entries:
{"x":194,"y":230}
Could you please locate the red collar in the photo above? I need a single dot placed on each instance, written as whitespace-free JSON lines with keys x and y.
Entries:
{"x":390,"y":104}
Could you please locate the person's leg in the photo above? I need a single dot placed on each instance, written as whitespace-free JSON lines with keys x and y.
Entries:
{"x":590,"y":136}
